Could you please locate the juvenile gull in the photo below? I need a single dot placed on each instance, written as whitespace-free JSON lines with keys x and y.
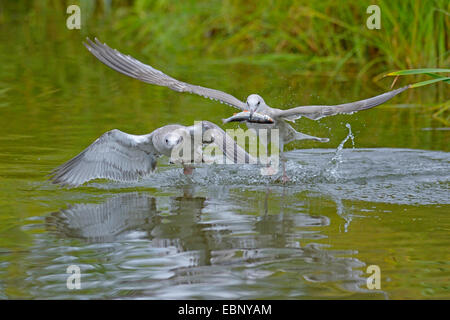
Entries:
{"x":133,"y":68}
{"x":120,"y":156}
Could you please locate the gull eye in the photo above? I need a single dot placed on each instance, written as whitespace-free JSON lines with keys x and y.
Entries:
{"x":167,"y":140}
{"x":258,"y":103}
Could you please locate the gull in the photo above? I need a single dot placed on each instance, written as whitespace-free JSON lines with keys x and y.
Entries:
{"x":131,"y":67}
{"x":124,"y":157}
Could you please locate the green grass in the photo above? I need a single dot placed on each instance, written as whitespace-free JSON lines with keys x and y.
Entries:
{"x":413,"y":34}
{"x":322,"y":35}
{"x":427,"y":71}
{"x":432,"y":72}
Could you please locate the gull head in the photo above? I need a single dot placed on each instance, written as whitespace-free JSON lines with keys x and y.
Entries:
{"x":254,"y":102}
{"x":175,"y":146}
{"x":172,"y":139}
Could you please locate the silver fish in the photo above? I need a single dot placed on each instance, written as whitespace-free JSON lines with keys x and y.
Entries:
{"x":245,"y":116}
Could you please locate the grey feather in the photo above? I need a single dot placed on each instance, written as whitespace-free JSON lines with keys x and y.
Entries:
{"x":228,"y":145}
{"x":317,"y":112}
{"x":120,"y":156}
{"x":131,"y":67}
{"x":116,"y":155}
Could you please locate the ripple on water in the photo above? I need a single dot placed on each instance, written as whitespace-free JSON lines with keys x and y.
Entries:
{"x":402,"y":176}
{"x":221,"y":238}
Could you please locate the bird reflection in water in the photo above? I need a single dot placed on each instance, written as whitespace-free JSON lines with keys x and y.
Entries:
{"x":196,"y":246}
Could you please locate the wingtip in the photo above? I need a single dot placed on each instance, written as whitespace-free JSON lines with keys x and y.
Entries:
{"x":89,"y":44}
{"x":86,"y":45}
{"x":88,"y":40}
{"x":404,"y":88}
{"x":98,"y":41}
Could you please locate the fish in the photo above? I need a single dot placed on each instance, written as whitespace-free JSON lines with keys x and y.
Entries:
{"x":245,"y":116}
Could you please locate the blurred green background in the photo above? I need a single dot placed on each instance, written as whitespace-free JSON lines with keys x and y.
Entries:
{"x":321,"y":35}
{"x":326,"y":39}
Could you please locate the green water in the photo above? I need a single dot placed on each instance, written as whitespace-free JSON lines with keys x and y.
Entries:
{"x":225,"y":232}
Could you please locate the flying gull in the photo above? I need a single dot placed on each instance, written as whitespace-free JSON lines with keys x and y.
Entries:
{"x":133,"y":68}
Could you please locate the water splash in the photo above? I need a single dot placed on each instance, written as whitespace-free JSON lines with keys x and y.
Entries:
{"x":350,"y":134}
{"x":332,"y":170}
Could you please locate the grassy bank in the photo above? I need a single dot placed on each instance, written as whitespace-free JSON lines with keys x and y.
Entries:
{"x":322,"y":34}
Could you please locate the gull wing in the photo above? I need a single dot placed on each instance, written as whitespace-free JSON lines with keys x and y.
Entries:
{"x":212,"y":133}
{"x":116,"y":155}
{"x":133,"y":68}
{"x":317,"y":112}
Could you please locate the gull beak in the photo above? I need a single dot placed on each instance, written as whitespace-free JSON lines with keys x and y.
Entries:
{"x":251,"y":114}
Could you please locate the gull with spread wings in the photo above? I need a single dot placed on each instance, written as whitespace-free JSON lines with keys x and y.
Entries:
{"x":133,"y":68}
{"x":120,"y":156}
